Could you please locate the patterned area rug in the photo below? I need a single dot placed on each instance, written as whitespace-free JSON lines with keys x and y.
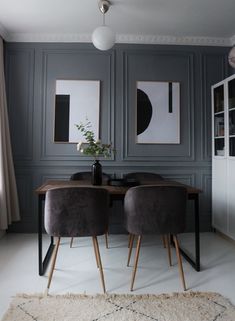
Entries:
{"x":191,"y":306}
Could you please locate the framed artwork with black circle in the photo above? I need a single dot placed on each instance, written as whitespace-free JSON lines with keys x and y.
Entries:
{"x":158,"y":112}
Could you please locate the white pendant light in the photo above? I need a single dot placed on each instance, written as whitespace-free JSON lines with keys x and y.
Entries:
{"x":231,"y":57}
{"x":103,"y":37}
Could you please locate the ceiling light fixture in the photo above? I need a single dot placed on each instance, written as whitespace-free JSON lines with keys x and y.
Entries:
{"x":103,"y":37}
{"x":231,"y":57}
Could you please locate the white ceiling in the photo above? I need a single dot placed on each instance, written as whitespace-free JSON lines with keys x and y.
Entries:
{"x":209,"y":22}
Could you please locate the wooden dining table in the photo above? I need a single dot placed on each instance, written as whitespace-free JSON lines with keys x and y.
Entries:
{"x":116,"y":193}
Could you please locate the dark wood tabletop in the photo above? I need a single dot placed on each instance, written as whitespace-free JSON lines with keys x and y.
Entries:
{"x":113,"y":190}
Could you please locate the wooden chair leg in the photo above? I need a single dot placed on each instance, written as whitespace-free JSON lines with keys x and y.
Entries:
{"x":131,"y":240}
{"x":181,"y":272}
{"x":168,"y":248}
{"x":99,"y":262}
{"x":163,"y":240}
{"x":96,"y":257}
{"x":71,"y":242}
{"x":53,"y":263}
{"x":136,"y":261}
{"x":106,"y":240}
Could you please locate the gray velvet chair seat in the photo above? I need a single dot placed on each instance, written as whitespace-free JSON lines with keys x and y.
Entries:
{"x":153,"y":209}
{"x":87,"y":176}
{"x":144,"y":177}
{"x":77,"y":211}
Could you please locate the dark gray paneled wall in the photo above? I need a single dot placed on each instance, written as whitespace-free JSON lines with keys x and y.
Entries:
{"x":31,"y":71}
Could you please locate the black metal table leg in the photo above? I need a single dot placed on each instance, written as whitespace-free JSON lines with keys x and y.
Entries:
{"x":42,"y":262}
{"x":197,"y":232}
{"x":195,"y":262}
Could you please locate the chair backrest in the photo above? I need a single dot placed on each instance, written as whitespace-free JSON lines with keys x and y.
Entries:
{"x":155,"y":209}
{"x":76,"y":211}
{"x":144,"y":177}
{"x":86,"y":176}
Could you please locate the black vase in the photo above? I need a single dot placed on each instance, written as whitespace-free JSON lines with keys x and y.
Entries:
{"x":96,"y":178}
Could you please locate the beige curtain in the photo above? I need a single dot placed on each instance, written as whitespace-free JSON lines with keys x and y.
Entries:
{"x":9,"y":205}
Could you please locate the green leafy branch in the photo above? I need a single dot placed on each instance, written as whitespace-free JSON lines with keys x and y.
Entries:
{"x":92,"y":147}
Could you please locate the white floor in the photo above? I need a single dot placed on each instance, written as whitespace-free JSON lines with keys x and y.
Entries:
{"x":76,"y":270}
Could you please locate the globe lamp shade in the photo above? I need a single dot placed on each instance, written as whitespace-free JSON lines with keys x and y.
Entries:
{"x":103,"y":38}
{"x":231,"y":57}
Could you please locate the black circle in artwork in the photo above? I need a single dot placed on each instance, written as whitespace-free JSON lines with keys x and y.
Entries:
{"x":144,"y":111}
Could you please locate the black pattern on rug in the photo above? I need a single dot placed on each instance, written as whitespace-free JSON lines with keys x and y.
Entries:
{"x":119,"y":308}
{"x":20,"y":306}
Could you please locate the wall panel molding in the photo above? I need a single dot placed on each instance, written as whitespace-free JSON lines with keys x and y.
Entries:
{"x":206,"y":195}
{"x":25,"y":192}
{"x":20,"y":65}
{"x":28,"y":215}
{"x":49,"y":150}
{"x":158,"y":152}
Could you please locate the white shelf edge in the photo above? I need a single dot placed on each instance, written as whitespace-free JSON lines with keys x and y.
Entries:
{"x":219,"y":112}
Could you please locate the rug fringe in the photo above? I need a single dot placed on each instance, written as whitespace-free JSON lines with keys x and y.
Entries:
{"x":188,"y":294}
{"x":121,"y":307}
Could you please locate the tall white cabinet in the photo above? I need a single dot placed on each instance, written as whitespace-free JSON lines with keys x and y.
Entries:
{"x":223,"y":156}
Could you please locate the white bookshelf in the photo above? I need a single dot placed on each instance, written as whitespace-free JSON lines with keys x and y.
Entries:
{"x":223,"y":156}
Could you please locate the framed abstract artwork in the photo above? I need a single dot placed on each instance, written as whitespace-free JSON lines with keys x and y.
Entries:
{"x":158,"y":112}
{"x":76,"y":101}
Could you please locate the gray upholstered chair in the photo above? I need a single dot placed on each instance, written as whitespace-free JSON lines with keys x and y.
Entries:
{"x":77,"y":211}
{"x":86,"y":176}
{"x":144,"y":177}
{"x":153,"y":209}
